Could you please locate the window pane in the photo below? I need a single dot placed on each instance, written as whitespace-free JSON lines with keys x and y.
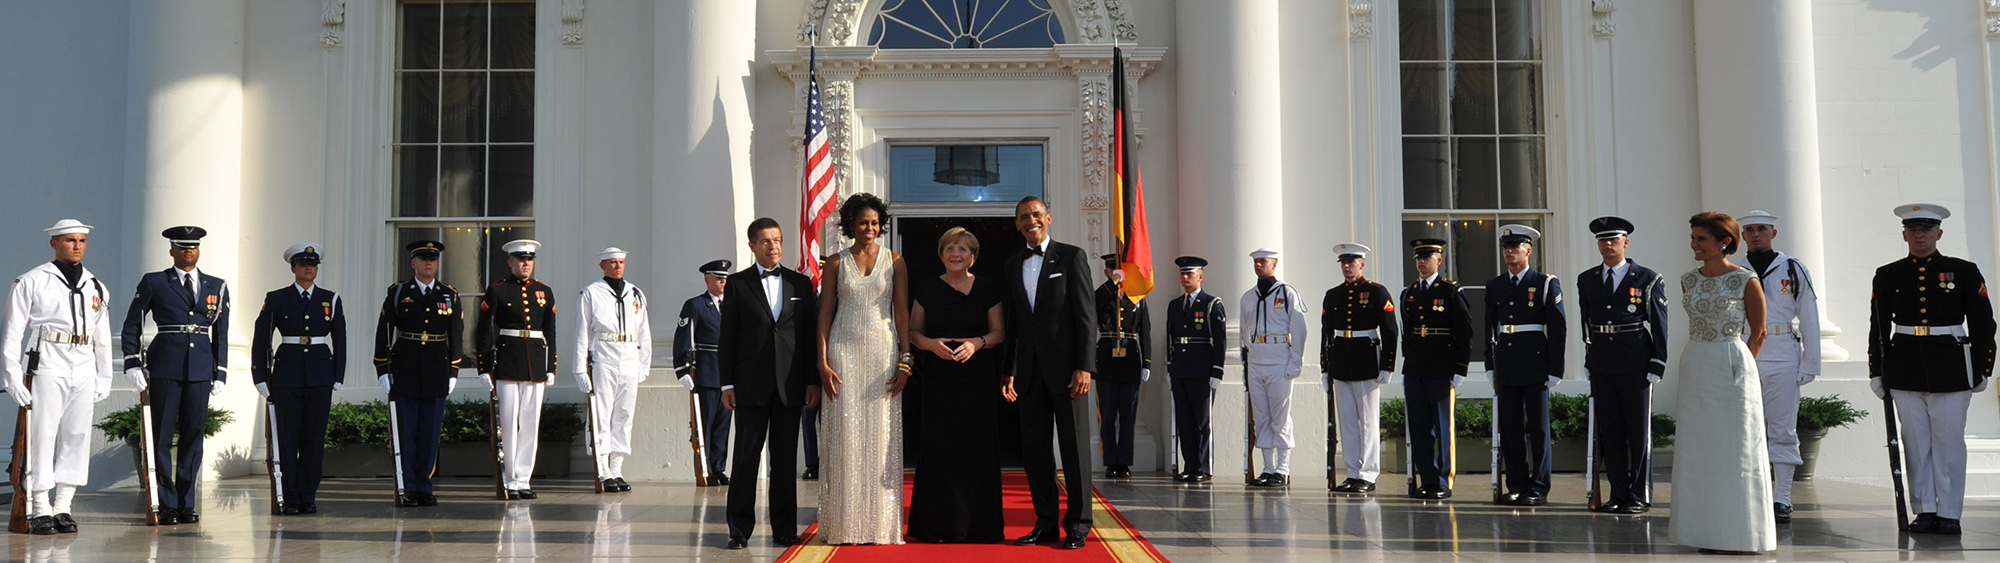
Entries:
{"x":1475,"y":250}
{"x":462,"y":181}
{"x":1521,"y":178}
{"x":1515,"y":24}
{"x":1423,"y":228}
{"x":405,"y":236}
{"x":1472,"y":100}
{"x":511,"y":182}
{"x":416,"y":182}
{"x":1475,"y":179}
{"x":513,"y":35}
{"x":418,"y":107}
{"x":420,"y":36}
{"x":966,"y":173}
{"x":1423,"y":30}
{"x":1520,"y":101}
{"x":1426,"y":174}
{"x":513,"y":116}
{"x":463,"y":107}
{"x":1472,"y":30}
{"x":1423,"y":99}
{"x":465,"y":35}
{"x":960,"y":24}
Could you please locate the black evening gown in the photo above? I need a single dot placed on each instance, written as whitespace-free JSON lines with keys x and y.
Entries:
{"x":957,"y":492}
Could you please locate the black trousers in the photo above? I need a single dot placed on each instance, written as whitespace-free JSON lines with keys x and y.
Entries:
{"x":1048,"y":412}
{"x":301,"y":432}
{"x":419,"y":422}
{"x":715,"y":418}
{"x":1192,"y":400}
{"x":1117,"y":408}
{"x":1624,"y":418}
{"x":1429,"y":411}
{"x":1524,"y":437}
{"x":778,"y":426}
{"x":179,"y":408}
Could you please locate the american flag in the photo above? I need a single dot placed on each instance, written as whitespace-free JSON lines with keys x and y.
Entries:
{"x":817,"y":187}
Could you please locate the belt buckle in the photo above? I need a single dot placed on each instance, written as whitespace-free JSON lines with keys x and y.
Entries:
{"x":1506,"y":329}
{"x":1921,"y":330}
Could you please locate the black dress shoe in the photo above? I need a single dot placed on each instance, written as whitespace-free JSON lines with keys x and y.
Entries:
{"x":1945,"y":526}
{"x":289,"y":509}
{"x":811,"y":474}
{"x":719,"y":481}
{"x":1179,"y":477}
{"x":786,"y":540}
{"x":42,"y":525}
{"x":513,"y":494}
{"x":1530,"y":499}
{"x":189,"y":515}
{"x":1439,"y":493}
{"x":1609,"y":507}
{"x":1364,"y":485}
{"x":528,"y":494}
{"x":1346,"y":486}
{"x":427,"y":499}
{"x":1259,"y":481}
{"x":1071,"y":542}
{"x":308,"y":508}
{"x":1926,"y":523}
{"x":1275,"y":480}
{"x":1199,"y":477}
{"x":1635,"y":507}
{"x":1508,"y":499}
{"x":67,"y":525}
{"x":170,"y":516}
{"x":1036,"y":537}
{"x":737,"y":543}
{"x":1783,"y":512}
{"x":406,"y":500}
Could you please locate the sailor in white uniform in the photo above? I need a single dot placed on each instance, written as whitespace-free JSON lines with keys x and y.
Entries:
{"x":1273,"y":336}
{"x":58,"y":332}
{"x":1790,"y":358}
{"x":614,"y":347}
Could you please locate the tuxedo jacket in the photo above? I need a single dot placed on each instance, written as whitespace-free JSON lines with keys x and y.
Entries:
{"x":769,"y":361}
{"x":1057,"y":336}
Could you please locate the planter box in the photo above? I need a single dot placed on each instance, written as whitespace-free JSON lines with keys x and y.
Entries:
{"x":1809,"y":451}
{"x":1469,"y":455}
{"x":359,"y":460}
{"x":475,"y":459}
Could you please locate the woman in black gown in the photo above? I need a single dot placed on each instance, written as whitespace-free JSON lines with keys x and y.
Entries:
{"x":958,"y":321}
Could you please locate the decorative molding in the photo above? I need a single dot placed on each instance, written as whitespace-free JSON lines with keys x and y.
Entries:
{"x":333,"y":18}
{"x":1601,"y":11}
{"x":1992,"y":17}
{"x":837,"y":29}
{"x":572,"y":20}
{"x":1360,"y":19}
{"x":1094,"y":105}
{"x":1058,"y":62}
{"x":1097,"y":22}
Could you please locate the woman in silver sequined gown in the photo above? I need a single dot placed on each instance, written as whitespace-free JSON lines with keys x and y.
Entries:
{"x":1722,"y":476}
{"x":861,"y":417}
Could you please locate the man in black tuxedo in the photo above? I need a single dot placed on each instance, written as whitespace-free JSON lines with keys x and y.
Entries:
{"x":1055,"y":327}
{"x":768,"y":376}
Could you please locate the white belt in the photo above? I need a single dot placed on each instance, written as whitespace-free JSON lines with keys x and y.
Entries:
{"x":1953,"y":330}
{"x":1778,"y":328}
{"x":60,"y":337}
{"x":1370,"y":333}
{"x":518,"y":333}
{"x":1511,"y":329}
{"x":305,"y":340}
{"x":609,"y":337}
{"x":1279,"y":339}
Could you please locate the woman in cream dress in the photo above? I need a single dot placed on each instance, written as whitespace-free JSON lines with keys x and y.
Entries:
{"x":1722,"y":474}
{"x":861,"y":313}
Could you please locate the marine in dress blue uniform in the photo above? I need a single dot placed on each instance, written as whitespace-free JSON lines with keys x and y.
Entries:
{"x":696,"y":338}
{"x":1197,"y":338}
{"x":298,"y":358}
{"x":1623,"y":315}
{"x":182,"y":367}
{"x":1524,"y":359}
{"x":514,"y":348}
{"x":419,"y":343}
{"x":1357,"y":355}
{"x":1124,"y":361}
{"x":1437,"y":344}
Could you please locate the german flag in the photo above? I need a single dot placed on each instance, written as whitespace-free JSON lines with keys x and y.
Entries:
{"x":1128,"y":200}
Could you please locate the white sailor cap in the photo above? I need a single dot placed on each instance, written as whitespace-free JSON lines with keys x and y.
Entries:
{"x":1265,"y":252}
{"x":1915,"y":214}
{"x":67,"y":226}
{"x":1350,"y":251}
{"x":611,"y":253}
{"x":1513,"y":234}
{"x":1757,"y":217}
{"x":304,"y":252}
{"x":523,"y":248}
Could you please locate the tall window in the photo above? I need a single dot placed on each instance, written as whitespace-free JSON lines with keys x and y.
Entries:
{"x":464,"y":134}
{"x":965,"y":24}
{"x":1473,"y":141}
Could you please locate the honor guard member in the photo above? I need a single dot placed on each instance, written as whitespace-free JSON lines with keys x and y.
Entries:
{"x":517,"y":321}
{"x":418,"y":352}
{"x":1930,"y":347}
{"x":1790,"y":356}
{"x":1273,"y":335}
{"x":182,"y":367}
{"x":1197,"y":338}
{"x":299,"y":371}
{"x":614,"y":351}
{"x":1124,"y":360}
{"x":58,"y":332}
{"x":1357,"y":354}
{"x":1624,"y":322}
{"x":1524,"y":359}
{"x":695,"y":340}
{"x":1437,"y":344}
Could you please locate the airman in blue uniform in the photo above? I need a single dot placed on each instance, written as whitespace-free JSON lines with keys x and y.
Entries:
{"x":182,"y":367}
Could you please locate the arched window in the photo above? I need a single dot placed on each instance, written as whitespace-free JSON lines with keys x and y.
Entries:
{"x":965,"y":24}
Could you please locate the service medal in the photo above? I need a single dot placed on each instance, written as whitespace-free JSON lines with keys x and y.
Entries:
{"x":1631,"y":308}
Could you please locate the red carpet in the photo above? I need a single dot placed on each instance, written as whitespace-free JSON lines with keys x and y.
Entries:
{"x":1112,"y":539}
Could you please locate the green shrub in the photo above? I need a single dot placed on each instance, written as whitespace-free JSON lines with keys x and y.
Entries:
{"x":1568,"y":418}
{"x":366,"y":423}
{"x":125,"y":424}
{"x":1663,"y":430}
{"x":464,"y":421}
{"x":1817,"y":414}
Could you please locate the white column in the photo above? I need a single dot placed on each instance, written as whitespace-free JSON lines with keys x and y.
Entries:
{"x":1758,"y":116}
{"x":1231,"y":160}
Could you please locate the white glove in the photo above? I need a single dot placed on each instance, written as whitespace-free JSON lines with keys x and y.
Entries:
{"x":1875,"y":384}
{"x":384,"y":378}
{"x":264,"y":389}
{"x":1489,"y":378}
{"x":583,"y":382}
{"x":103,"y":392}
{"x":1145,"y":374}
{"x":1553,"y":380}
{"x":336,"y":386}
{"x":486,"y":377}
{"x":215,"y":388}
{"x":1976,"y":388}
{"x":1325,"y":382}
{"x":1384,"y":379}
{"x":1457,"y":379}
{"x":19,"y":393}
{"x":687,"y":381}
{"x":138,"y":377}
{"x":1293,"y":373}
{"x":1805,"y":378}
{"x":1652,"y":378}
{"x":1214,"y":383}
{"x":451,"y":385}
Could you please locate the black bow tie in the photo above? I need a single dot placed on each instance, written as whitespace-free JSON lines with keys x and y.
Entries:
{"x":1037,"y":250}
{"x":771,"y":273}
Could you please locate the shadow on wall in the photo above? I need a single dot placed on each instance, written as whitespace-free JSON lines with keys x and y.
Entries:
{"x":1953,"y":37}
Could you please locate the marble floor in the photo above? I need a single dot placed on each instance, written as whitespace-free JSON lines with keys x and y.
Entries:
{"x":1217,"y":522}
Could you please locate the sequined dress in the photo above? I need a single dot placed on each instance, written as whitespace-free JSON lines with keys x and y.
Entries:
{"x":861,"y":432}
{"x":1722,"y":476}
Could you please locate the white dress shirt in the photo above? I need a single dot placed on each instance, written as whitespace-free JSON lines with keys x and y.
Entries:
{"x":1031,"y":272}
{"x":774,"y":289}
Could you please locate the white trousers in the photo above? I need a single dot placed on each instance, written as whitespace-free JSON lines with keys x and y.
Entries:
{"x":521,"y":424}
{"x":1781,"y":410}
{"x":1360,"y":420}
{"x":59,"y":431}
{"x":1933,"y":429}
{"x":1270,"y":405}
{"x":613,"y":402}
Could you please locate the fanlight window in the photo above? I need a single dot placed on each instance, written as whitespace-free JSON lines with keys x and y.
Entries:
{"x":965,"y":24}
